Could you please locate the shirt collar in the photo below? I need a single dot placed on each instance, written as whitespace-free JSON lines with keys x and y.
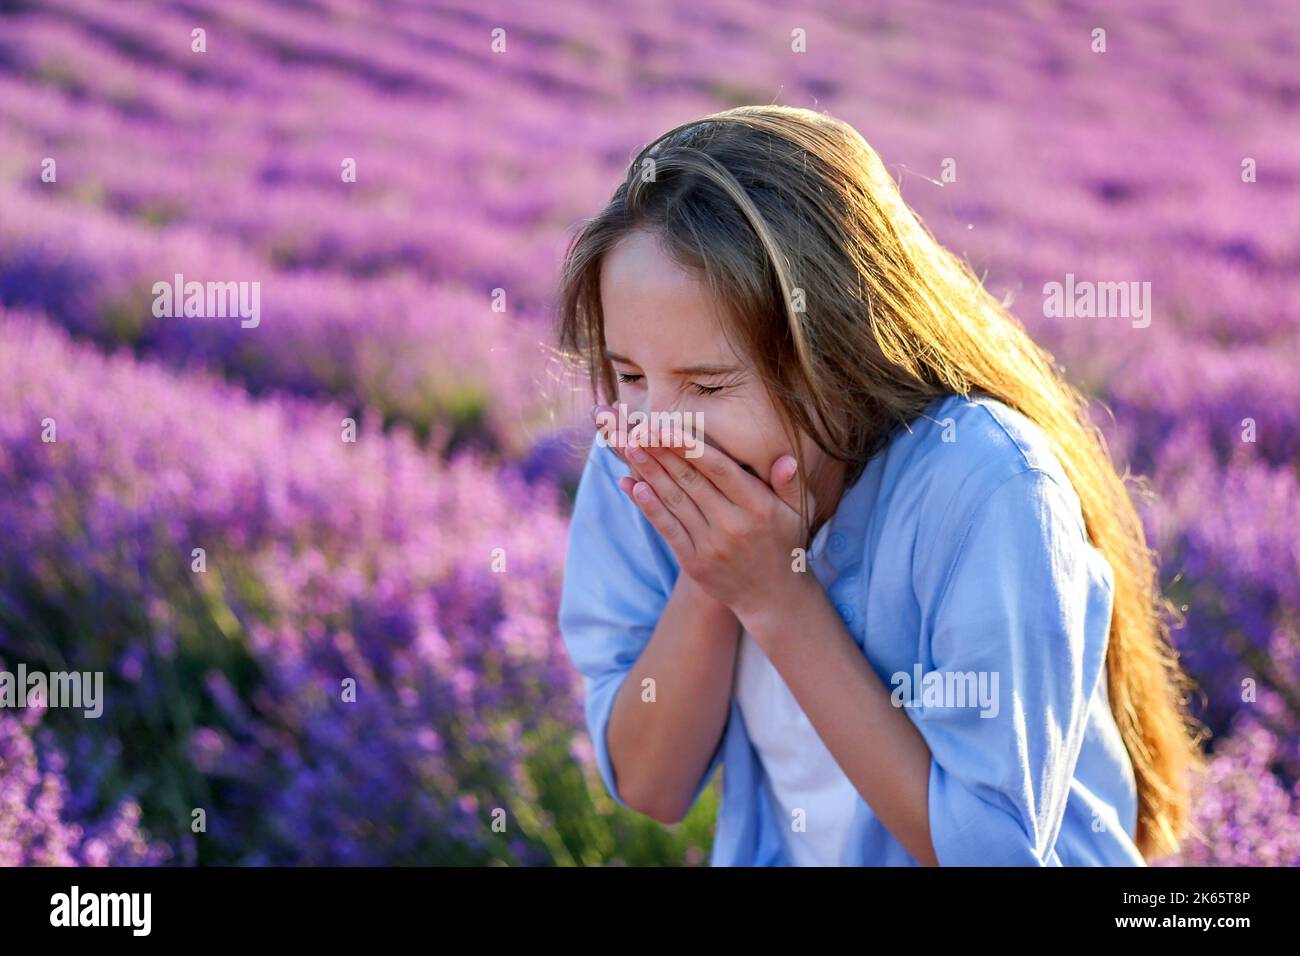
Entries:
{"x":819,"y":539}
{"x":848,"y":523}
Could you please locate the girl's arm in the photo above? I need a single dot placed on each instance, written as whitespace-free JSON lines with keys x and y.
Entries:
{"x":671,"y":710}
{"x":623,"y":619}
{"x":875,"y":744}
{"x":1019,"y":603}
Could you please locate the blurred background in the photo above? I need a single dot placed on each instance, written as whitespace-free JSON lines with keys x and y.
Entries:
{"x":401,"y":179}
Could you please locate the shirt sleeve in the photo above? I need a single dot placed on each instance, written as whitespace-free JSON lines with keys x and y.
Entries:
{"x":1025,"y":606}
{"x":618,"y":575}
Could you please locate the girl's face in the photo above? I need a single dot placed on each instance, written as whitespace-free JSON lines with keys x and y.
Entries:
{"x":664,"y":337}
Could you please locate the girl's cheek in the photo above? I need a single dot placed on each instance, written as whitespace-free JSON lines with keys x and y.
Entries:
{"x":725,"y":441}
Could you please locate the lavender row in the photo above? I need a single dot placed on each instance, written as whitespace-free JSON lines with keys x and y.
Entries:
{"x":426,"y":354}
{"x":327,"y":569}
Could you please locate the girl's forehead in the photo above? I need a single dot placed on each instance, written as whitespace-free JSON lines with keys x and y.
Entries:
{"x":659,"y":313}
{"x":670,"y":341}
{"x":638,"y":263}
{"x":648,"y":334}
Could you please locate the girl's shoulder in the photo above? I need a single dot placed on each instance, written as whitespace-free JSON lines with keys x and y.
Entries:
{"x":962,"y":448}
{"x":974,"y":476}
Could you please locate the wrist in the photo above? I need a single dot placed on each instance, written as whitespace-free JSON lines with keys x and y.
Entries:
{"x":772,"y":611}
{"x":702,"y":600}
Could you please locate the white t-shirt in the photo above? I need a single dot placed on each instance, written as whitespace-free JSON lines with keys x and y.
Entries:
{"x":798,"y":770}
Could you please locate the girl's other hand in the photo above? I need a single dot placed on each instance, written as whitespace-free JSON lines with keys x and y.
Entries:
{"x":611,"y":439}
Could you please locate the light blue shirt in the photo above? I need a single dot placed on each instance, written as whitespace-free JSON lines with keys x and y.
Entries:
{"x":960,"y":549}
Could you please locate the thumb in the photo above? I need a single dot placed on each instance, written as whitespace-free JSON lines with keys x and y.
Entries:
{"x":785,"y":482}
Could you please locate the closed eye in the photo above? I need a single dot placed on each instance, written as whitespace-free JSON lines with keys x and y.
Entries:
{"x":627,"y":378}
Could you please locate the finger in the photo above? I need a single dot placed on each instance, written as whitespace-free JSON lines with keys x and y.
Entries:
{"x":603,"y":416}
{"x":739,"y":485}
{"x":636,"y":473}
{"x":785,"y":481}
{"x":669,"y":493}
{"x":690,"y":479}
{"x":664,"y":521}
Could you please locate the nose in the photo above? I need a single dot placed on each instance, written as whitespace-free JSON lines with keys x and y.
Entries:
{"x":662,"y":397}
{"x":657,"y":402}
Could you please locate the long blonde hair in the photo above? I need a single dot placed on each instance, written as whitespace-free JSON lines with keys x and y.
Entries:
{"x":857,"y":318}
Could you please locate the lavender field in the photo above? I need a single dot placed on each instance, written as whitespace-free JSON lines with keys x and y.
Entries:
{"x":316,"y":550}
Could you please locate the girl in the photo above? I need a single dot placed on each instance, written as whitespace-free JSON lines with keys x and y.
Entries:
{"x":897,"y":591}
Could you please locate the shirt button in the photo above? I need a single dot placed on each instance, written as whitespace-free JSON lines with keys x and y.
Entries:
{"x":837,"y":541}
{"x":845,"y":612}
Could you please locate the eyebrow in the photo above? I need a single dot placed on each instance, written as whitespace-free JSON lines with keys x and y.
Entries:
{"x":705,"y":369}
